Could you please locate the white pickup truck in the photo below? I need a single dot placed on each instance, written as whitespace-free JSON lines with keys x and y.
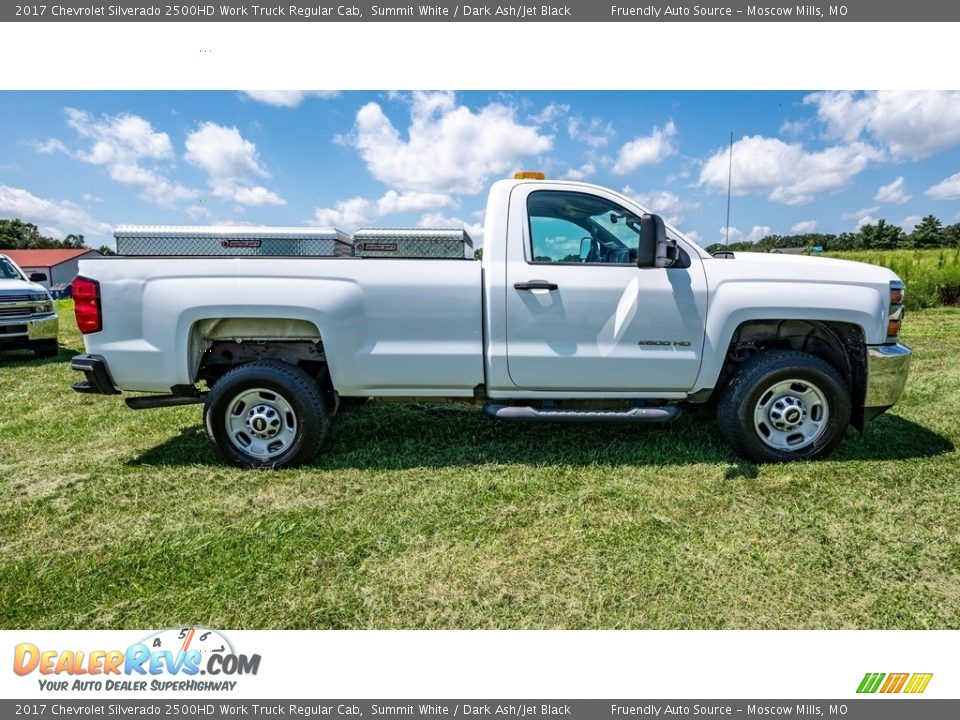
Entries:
{"x":584,"y":307}
{"x":28,"y":316}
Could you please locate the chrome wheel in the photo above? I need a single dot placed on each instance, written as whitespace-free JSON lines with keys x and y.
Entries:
{"x":791,"y":415}
{"x":261,"y":423}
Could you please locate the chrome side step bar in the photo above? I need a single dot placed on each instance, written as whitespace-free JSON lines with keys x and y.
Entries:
{"x":664,"y":413}
{"x":148,"y":402}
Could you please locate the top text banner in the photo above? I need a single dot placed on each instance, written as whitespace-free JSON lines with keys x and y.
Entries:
{"x":449,"y":11}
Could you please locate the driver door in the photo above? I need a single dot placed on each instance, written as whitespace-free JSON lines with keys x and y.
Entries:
{"x":595,"y":321}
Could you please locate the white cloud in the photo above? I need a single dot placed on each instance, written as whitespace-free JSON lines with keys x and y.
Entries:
{"x":692,"y":236}
{"x":119,"y":137}
{"x":786,"y":172}
{"x":222,"y":152}
{"x":863,"y":216}
{"x":580,"y":173}
{"x":50,"y":146}
{"x":804,"y":226}
{"x":663,"y":202}
{"x":346,"y":214}
{"x":594,"y":133}
{"x":732,"y":236}
{"x":287,"y":98}
{"x":198,"y":212}
{"x":437,"y":220}
{"x":793,"y":127}
{"x":895,"y":193}
{"x":229,"y":161}
{"x":553,"y":111}
{"x":648,"y":150}
{"x":52,"y":217}
{"x":255,"y":196}
{"x":121,"y":143}
{"x":89,"y":197}
{"x":448,"y":147}
{"x":394,"y":202}
{"x":354,"y":212}
{"x":946,"y":189}
{"x":862,"y":212}
{"x":912,"y":124}
{"x":910,"y":222}
{"x":757,"y":233}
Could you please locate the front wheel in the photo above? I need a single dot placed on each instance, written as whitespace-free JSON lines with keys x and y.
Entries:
{"x":266,"y":414}
{"x":784,"y":405}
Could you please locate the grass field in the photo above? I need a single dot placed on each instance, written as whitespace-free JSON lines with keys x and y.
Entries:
{"x":435,"y":517}
{"x":931,"y":276}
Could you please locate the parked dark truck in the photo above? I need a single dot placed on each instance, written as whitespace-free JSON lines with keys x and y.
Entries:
{"x":584,"y":307}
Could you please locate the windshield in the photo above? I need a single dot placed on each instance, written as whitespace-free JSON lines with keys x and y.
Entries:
{"x":8,"y":271}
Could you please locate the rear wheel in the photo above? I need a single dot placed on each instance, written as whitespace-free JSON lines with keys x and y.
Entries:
{"x":266,"y":414}
{"x":784,"y":405}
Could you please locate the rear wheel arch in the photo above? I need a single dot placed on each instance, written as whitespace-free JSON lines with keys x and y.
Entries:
{"x":217,"y":344}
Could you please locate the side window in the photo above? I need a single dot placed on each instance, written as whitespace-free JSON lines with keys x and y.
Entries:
{"x":578,"y":228}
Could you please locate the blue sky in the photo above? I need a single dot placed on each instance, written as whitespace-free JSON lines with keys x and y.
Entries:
{"x":826,"y":161}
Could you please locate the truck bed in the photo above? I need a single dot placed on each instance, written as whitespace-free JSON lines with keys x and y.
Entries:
{"x":389,"y":327}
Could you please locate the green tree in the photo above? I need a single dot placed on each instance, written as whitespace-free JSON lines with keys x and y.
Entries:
{"x":953,"y":234}
{"x":106,"y":251}
{"x":880,"y":235}
{"x":928,"y":233}
{"x":19,"y":235}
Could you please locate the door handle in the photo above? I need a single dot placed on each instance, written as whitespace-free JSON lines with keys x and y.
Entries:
{"x":535,"y":285}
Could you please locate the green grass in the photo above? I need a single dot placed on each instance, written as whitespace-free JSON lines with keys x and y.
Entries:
{"x":435,"y":517}
{"x":931,"y":276}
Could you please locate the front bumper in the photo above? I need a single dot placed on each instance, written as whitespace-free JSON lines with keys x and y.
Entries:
{"x":887,"y":368}
{"x":97,"y":374}
{"x":21,"y":332}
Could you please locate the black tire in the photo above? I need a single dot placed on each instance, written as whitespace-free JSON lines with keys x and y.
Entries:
{"x":288,"y":394}
{"x":750,"y":410}
{"x":45,"y":348}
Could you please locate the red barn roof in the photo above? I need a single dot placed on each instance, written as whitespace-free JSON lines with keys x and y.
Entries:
{"x":45,"y":258}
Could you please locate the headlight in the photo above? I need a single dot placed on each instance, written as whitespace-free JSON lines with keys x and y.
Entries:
{"x":895,"y":311}
{"x":43,"y":302}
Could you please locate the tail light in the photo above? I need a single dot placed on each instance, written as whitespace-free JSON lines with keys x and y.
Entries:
{"x":86,"y":305}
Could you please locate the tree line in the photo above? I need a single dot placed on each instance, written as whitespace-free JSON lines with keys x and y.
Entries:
{"x":20,"y":235}
{"x":881,"y":235}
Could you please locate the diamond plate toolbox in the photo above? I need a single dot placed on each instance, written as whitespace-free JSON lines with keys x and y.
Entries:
{"x":230,"y":241}
{"x":412,"y":243}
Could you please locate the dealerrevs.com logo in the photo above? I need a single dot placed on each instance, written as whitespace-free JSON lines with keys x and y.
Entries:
{"x":179,"y":659}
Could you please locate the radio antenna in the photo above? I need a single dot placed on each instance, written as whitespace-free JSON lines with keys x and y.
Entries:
{"x":726,"y":237}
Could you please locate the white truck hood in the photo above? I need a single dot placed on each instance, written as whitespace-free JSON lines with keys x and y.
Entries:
{"x":13,"y":287}
{"x":797,"y":268}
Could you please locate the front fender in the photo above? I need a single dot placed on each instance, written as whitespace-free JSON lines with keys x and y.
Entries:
{"x":734,"y":303}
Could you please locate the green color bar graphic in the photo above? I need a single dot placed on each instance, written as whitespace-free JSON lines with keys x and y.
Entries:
{"x":870,"y":682}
